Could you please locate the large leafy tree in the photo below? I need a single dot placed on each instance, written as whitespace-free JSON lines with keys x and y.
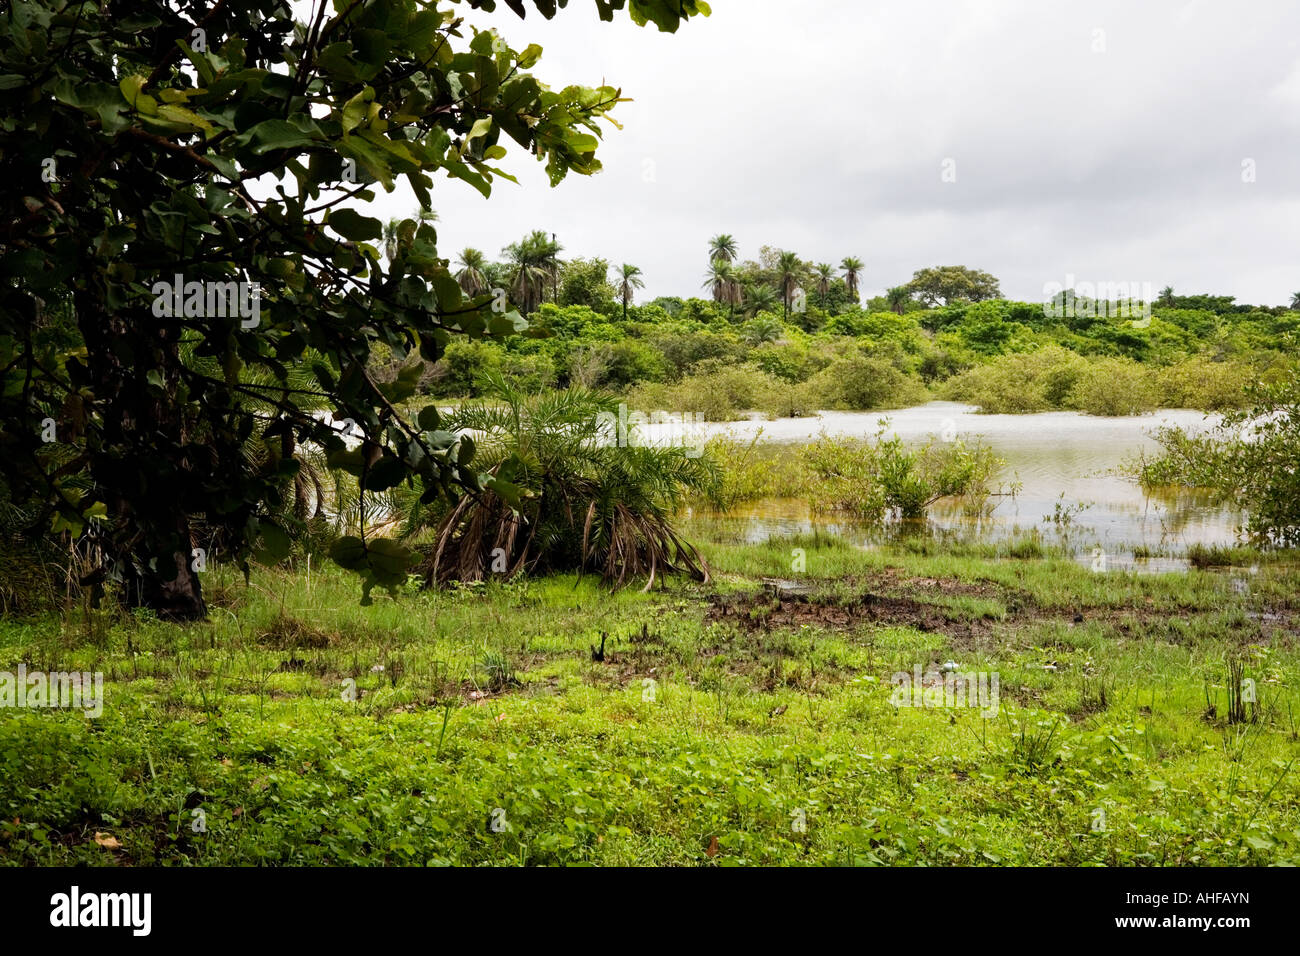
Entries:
{"x":224,"y":142}
{"x":949,"y":284}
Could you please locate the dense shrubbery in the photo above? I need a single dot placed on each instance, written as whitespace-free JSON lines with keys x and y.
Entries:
{"x":722,"y":360}
{"x":694,"y":355}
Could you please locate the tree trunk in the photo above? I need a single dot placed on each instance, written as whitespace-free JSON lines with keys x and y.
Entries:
{"x":140,"y":465}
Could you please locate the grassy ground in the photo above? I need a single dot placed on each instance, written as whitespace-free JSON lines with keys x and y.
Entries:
{"x":727,"y":724}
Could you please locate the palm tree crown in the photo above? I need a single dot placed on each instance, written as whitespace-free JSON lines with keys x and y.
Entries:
{"x":471,"y":275}
{"x":722,"y":246}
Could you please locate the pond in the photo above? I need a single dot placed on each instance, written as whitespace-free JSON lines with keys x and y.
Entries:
{"x":1063,"y":460}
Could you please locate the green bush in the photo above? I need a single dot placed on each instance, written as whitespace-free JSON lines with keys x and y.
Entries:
{"x":1252,"y":459}
{"x":716,"y":391}
{"x":860,"y":383}
{"x":1019,"y":382}
{"x":876,"y":479}
{"x":1115,"y":386}
{"x":1203,"y":383}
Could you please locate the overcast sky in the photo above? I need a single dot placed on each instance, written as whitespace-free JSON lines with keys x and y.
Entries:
{"x":1108,"y":141}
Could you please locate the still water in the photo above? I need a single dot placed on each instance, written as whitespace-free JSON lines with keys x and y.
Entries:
{"x":1063,"y":459}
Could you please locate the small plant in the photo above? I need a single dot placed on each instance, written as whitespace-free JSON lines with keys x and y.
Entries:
{"x":498,"y":670}
{"x":1034,"y":747}
{"x":1064,"y":515}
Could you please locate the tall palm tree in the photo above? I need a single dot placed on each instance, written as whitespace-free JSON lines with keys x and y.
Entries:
{"x":722,"y":246}
{"x":732,"y":293}
{"x":1166,"y":296}
{"x":825,"y":274}
{"x":852,"y":267}
{"x":715,"y":280}
{"x":629,"y":280}
{"x":472,"y":277}
{"x":897,"y":298}
{"x":1295,"y":301}
{"x":532,"y":260}
{"x":723,"y":280}
{"x":788,"y":272}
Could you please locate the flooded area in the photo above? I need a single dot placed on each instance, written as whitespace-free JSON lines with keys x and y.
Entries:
{"x":1067,"y":465}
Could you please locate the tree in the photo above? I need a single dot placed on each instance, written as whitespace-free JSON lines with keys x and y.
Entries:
{"x":472,"y":277}
{"x":852,"y":267}
{"x":824,"y":274}
{"x":533,"y":260}
{"x":789,"y":272}
{"x":759,"y":331}
{"x":724,"y":283}
{"x":898,"y":297}
{"x":130,"y":222}
{"x":953,"y":284}
{"x":1295,"y":301}
{"x":1166,"y":298}
{"x":629,"y":280}
{"x":722,"y":246}
{"x":586,"y":282}
{"x":760,"y":297}
{"x":715,"y":280}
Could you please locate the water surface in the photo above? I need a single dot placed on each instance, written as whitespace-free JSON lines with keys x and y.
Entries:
{"x":1061,"y":460}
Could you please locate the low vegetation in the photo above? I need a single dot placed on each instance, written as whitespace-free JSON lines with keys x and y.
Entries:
{"x":544,"y":721}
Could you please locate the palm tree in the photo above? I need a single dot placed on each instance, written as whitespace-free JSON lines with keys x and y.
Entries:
{"x":788,"y":271}
{"x":758,"y":331}
{"x":897,"y":298}
{"x":1295,"y":301}
{"x":716,"y":279}
{"x":722,"y":246}
{"x":723,"y":282}
{"x":629,"y":280}
{"x":825,"y":274}
{"x":760,"y":298}
{"x":852,"y":266}
{"x":1166,"y":296}
{"x":583,"y":495}
{"x":731,"y":294}
{"x":532,"y":260}
{"x":472,"y":278}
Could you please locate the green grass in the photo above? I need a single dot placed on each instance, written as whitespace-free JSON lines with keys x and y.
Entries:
{"x":720,"y":712}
